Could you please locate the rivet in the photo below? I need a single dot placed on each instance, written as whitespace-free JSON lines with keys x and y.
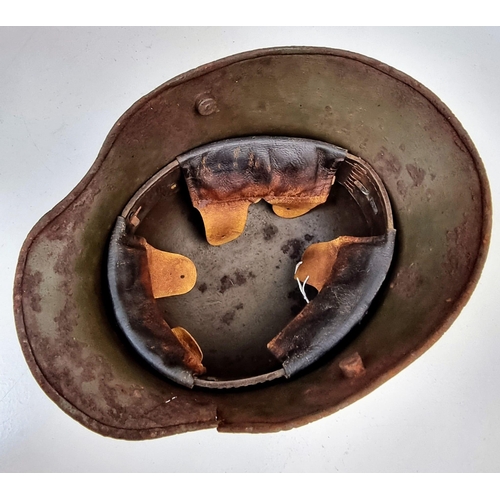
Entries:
{"x":352,"y":366}
{"x":206,"y":105}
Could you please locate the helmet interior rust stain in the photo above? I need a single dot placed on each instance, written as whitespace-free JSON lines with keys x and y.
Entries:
{"x":319,"y":220}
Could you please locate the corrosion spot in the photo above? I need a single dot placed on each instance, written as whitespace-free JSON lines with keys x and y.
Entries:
{"x":269,"y":231}
{"x":228,"y":317}
{"x":402,"y":188}
{"x":31,"y":282}
{"x":239,"y":278}
{"x":458,"y":241}
{"x":417,"y":174}
{"x":203,"y":288}
{"x":388,"y":162}
{"x":294,"y":248}
{"x":225,"y":284}
{"x":407,"y":281}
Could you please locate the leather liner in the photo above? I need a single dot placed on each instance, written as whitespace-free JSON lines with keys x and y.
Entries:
{"x":358,"y":273}
{"x":136,"y":311}
{"x":215,"y":173}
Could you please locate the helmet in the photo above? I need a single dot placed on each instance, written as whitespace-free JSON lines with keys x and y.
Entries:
{"x":260,"y":242}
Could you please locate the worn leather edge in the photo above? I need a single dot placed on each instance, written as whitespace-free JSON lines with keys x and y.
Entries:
{"x":276,"y":169}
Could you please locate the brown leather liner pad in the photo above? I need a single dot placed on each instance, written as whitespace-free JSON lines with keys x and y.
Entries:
{"x":223,"y":178}
{"x":137,"y":313}
{"x":353,"y":282}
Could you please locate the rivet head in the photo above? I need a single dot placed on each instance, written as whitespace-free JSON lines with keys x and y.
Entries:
{"x":352,"y":366}
{"x":206,"y":105}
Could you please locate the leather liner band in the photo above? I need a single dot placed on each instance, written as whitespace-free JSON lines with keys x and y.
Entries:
{"x":215,"y":174}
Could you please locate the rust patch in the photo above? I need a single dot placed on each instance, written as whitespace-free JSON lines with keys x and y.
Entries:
{"x":203,"y":288}
{"x":228,"y":317}
{"x":407,"y":282}
{"x":388,"y":163}
{"x":294,"y":248}
{"x":417,"y":174}
{"x":458,"y":241}
{"x":239,"y":278}
{"x":66,"y":319}
{"x":402,"y":188}
{"x":269,"y":232}
{"x":227,"y":282}
{"x":63,"y":227}
{"x":31,"y":283}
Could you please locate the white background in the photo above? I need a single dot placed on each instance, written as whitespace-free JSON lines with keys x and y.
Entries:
{"x":61,"y":91}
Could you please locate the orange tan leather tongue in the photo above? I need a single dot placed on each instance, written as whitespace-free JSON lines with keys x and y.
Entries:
{"x":224,"y":222}
{"x":193,"y":350}
{"x":171,"y":273}
{"x":292,"y":210}
{"x":319,"y":259}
